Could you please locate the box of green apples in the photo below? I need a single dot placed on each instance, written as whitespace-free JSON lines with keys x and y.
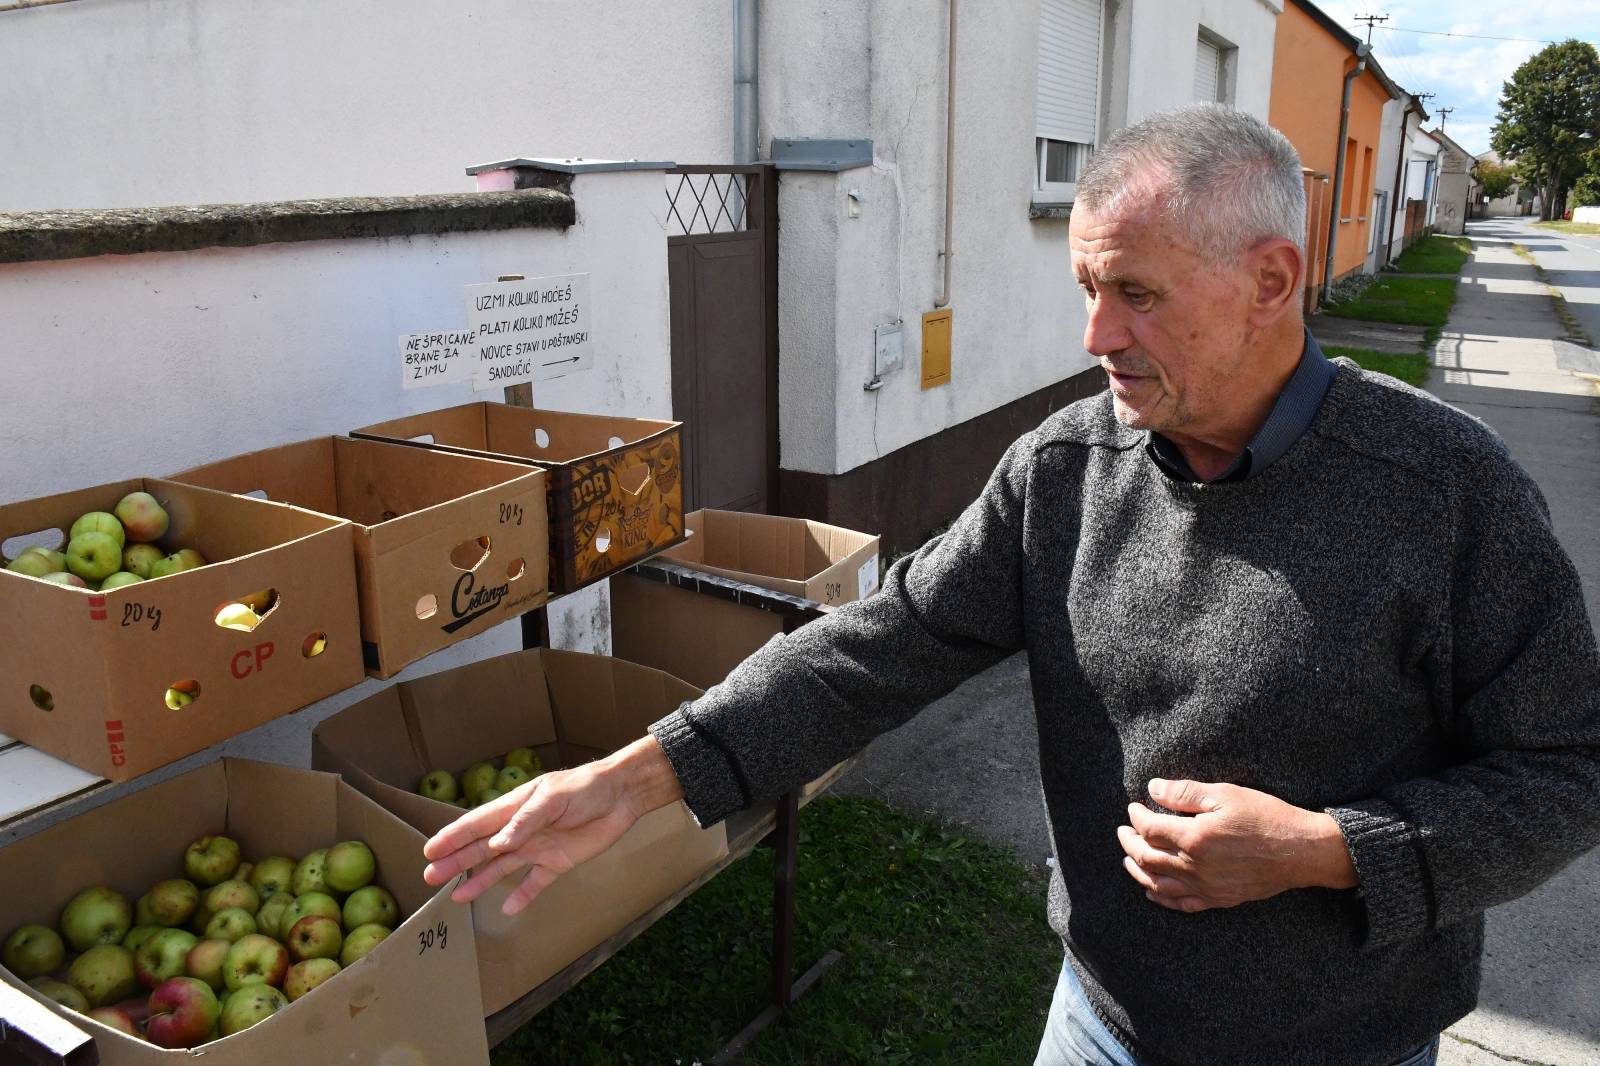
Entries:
{"x":180,"y":617}
{"x":257,"y":912}
{"x":509,"y":718}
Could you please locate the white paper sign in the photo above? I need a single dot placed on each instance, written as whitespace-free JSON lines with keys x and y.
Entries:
{"x":867,"y":578}
{"x":530,"y":330}
{"x":437,"y":358}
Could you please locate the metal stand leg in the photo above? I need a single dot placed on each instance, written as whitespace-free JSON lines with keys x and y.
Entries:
{"x":785,"y":988}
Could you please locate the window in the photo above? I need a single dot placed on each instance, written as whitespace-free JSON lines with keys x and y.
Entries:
{"x":1347,"y":194}
{"x":1207,"y":72}
{"x":1378,"y":201}
{"x":1066,"y":124}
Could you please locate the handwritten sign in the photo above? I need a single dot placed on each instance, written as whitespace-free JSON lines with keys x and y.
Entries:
{"x":437,"y":358}
{"x":530,"y":330}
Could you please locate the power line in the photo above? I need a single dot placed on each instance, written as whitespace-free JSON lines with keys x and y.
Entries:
{"x":1474,"y":36}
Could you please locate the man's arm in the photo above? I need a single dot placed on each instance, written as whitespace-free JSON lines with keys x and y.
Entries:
{"x":807,"y":700}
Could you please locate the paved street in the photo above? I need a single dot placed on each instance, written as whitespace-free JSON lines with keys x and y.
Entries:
{"x":972,"y":757}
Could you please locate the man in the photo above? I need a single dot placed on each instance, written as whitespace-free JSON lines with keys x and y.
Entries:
{"x":1314,"y":681}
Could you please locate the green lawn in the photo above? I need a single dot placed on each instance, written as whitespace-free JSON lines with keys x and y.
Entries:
{"x":947,"y":958}
{"x":1586,"y":228}
{"x":1409,"y":367}
{"x":1395,"y":298}
{"x":1435,"y":255}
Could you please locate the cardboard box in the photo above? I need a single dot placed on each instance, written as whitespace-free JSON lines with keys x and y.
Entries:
{"x":87,"y":672}
{"x":446,"y":545}
{"x":615,"y":488}
{"x":569,"y":707}
{"x":414,"y":999}
{"x":817,"y":562}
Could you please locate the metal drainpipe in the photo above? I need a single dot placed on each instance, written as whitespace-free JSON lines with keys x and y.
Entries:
{"x":949,"y":160}
{"x":1338,"y":171}
{"x":746,"y":79}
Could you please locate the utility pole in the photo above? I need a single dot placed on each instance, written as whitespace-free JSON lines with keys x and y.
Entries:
{"x":1369,"y":20}
{"x":1442,"y":112}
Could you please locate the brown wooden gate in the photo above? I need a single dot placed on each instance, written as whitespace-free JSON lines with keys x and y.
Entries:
{"x":722,"y":256}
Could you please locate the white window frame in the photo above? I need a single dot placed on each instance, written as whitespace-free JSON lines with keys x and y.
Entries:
{"x":1065,"y":192}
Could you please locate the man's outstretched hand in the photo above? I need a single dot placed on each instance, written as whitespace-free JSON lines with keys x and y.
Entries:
{"x":1229,"y":845}
{"x":551,"y":824}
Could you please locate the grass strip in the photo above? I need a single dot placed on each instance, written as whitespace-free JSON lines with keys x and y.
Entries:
{"x":1435,"y":254}
{"x":1409,"y":367}
{"x":1584,"y":228}
{"x":948,"y":958}
{"x":1399,"y":299}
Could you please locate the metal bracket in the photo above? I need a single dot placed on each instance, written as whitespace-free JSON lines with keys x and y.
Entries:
{"x":824,"y":155}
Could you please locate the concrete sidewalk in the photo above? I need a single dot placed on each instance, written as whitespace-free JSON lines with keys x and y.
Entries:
{"x":972,"y":757}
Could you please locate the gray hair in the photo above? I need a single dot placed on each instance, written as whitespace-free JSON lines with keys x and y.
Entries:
{"x":1226,"y":178}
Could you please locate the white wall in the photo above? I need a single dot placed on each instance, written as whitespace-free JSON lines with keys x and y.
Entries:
{"x":1161,"y":52}
{"x":147,"y":102}
{"x":1389,"y":139}
{"x":182,"y":358}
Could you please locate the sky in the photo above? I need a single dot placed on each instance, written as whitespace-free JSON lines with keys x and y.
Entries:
{"x":1465,"y":73}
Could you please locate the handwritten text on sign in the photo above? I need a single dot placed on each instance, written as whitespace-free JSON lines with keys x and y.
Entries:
{"x":437,"y":358}
{"x":530,"y":330}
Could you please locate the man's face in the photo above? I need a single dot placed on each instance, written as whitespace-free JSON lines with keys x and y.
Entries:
{"x":1167,"y":326}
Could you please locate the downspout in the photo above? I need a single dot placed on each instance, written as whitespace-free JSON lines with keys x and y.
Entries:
{"x":746,"y":75}
{"x":949,"y":160}
{"x":1399,"y":172}
{"x":1338,"y":171}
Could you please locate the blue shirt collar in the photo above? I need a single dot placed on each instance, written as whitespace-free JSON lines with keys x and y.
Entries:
{"x":1288,"y":420}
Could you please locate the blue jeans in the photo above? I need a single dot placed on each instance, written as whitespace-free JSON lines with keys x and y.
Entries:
{"x":1074,"y":1036}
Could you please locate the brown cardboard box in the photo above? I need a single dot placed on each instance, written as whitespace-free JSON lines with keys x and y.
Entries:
{"x":446,"y":545}
{"x":615,"y":488}
{"x":569,"y":707}
{"x":414,"y":999}
{"x":88,"y":671}
{"x":817,"y":562}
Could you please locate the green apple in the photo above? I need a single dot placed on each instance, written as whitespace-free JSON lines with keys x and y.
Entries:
{"x":100,"y":522}
{"x":310,"y":875}
{"x":488,"y":795}
{"x":232,"y":925}
{"x":172,"y":902}
{"x":478,"y":776}
{"x":362,"y":939}
{"x":104,"y":974}
{"x":269,"y":918}
{"x":177,"y":563}
{"x":57,"y":560}
{"x":61,"y":992}
{"x":93,"y":556}
{"x":440,"y":785}
{"x":138,"y":935}
{"x":118,"y":1019}
{"x":304,"y":976}
{"x":33,"y":951}
{"x":272,"y":875}
{"x":527,"y":759}
{"x":142,"y":915}
{"x":163,"y":956}
{"x":249,"y":1006}
{"x":205,"y":960}
{"x":211,"y":860}
{"x":94,"y":916}
{"x":316,"y":936}
{"x":349,"y":866}
{"x":66,"y":579}
{"x":119,"y":579}
{"x":308,"y":903}
{"x":233,"y":893}
{"x":139,"y":558}
{"x":243,"y":872}
{"x":255,"y":960}
{"x":141,"y":516}
{"x":510,"y":778}
{"x":237,"y":616}
{"x":369,"y":906}
{"x":31,"y":564}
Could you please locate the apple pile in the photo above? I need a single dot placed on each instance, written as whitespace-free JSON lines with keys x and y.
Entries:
{"x":214,"y":952}
{"x":109,"y":549}
{"x":482,"y":781}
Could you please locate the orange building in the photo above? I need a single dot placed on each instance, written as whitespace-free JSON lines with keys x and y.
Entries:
{"x":1312,"y":54}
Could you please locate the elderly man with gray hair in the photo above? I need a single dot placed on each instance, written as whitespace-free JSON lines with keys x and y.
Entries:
{"x":1314,"y":681}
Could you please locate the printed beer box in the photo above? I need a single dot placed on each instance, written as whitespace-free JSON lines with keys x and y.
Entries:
{"x":122,"y":681}
{"x":446,"y":545}
{"x":570,"y":708}
{"x":615,"y":488}
{"x":413,"y":999}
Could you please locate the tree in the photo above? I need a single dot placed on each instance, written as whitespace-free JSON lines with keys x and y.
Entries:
{"x":1586,"y":190}
{"x":1550,"y":119}
{"x":1495,"y":178}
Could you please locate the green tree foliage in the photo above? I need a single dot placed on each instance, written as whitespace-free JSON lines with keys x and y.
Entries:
{"x":1496,"y":179}
{"x":1586,"y":190}
{"x":1550,"y":119}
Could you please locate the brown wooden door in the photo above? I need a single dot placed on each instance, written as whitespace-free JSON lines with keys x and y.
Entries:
{"x":721,"y":255}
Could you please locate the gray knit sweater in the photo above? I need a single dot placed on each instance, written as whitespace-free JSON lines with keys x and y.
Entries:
{"x":1381,"y":625}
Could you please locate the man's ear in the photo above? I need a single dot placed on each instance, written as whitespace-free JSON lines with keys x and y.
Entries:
{"x":1275,"y":268}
